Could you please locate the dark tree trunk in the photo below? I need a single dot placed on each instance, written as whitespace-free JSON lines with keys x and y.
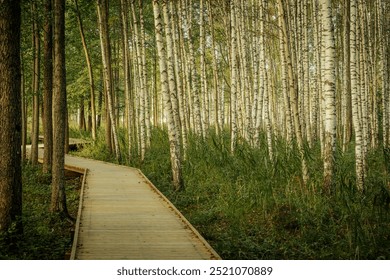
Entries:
{"x":48,"y":88}
{"x":10,"y":116}
{"x":35,"y":86}
{"x":102,"y":8}
{"x":58,"y":198}
{"x":82,"y":125}
{"x":23,"y":111}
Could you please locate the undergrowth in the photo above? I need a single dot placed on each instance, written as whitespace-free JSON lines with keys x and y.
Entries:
{"x":46,"y":236}
{"x":248,"y":207}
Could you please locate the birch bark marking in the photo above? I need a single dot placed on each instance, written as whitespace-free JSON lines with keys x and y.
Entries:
{"x":126,"y":73}
{"x":355,"y":103}
{"x":384,"y":73}
{"x":179,"y":78}
{"x":141,"y":82}
{"x":203,"y":74}
{"x":144,"y":73}
{"x":173,"y":137}
{"x":171,"y":75}
{"x":215,"y":70}
{"x":265,"y":89}
{"x":329,"y":92}
{"x":233,"y":77}
{"x":347,"y":103}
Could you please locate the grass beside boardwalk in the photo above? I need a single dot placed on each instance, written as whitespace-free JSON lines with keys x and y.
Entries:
{"x":46,"y":236}
{"x":248,"y":207}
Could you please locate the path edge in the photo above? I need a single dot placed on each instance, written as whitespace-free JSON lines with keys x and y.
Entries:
{"x":181,"y":216}
{"x":78,"y":219}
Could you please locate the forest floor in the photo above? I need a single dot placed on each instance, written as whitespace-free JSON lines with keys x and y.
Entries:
{"x":46,"y":236}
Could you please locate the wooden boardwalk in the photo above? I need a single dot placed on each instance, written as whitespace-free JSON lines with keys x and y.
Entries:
{"x":123,"y":216}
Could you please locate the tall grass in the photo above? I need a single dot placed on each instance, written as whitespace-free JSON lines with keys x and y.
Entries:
{"x":248,"y":207}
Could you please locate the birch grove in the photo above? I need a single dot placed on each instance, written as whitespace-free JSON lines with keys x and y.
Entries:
{"x":312,"y":73}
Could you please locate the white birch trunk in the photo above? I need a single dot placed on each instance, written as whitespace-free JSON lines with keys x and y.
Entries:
{"x":233,"y":78}
{"x":329,"y":92}
{"x":360,"y":174}
{"x":174,"y":139}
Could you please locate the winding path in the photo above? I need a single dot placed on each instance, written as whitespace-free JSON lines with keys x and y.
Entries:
{"x":123,"y":216}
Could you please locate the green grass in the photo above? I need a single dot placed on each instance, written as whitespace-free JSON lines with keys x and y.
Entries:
{"x":250,"y":208}
{"x":45,"y":235}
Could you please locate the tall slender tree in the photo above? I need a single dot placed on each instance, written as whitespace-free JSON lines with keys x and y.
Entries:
{"x":48,"y":87}
{"x":291,"y":85}
{"x":35,"y":84}
{"x":58,"y":195}
{"x":359,"y":153}
{"x":10,"y":116}
{"x":174,"y":140}
{"x":329,"y":93}
{"x":233,"y":76}
{"x":102,"y":7}
{"x":90,"y":71}
{"x":126,"y":74}
{"x":347,"y":102}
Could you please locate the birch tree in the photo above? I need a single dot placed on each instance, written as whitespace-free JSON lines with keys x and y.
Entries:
{"x":233,"y":76}
{"x":264,"y":78}
{"x":174,"y":137}
{"x":359,"y":153}
{"x":126,"y":73}
{"x":329,"y":93}
{"x":347,"y":105}
{"x":291,"y":87}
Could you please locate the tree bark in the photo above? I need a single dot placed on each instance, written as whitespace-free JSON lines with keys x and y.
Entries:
{"x":48,"y":87}
{"x":10,"y":116}
{"x":35,"y":86}
{"x":292,"y":90}
{"x":126,"y":72}
{"x":347,"y":102}
{"x":58,"y":195}
{"x":329,"y":93}
{"x":107,"y":70}
{"x":359,"y":154}
{"x":233,"y":77}
{"x":174,"y":139}
{"x":90,"y":72}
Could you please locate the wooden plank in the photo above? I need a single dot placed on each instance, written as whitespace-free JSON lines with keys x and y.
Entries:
{"x":123,"y":216}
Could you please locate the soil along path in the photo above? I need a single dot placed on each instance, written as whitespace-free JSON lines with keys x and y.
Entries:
{"x":122,"y":215}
